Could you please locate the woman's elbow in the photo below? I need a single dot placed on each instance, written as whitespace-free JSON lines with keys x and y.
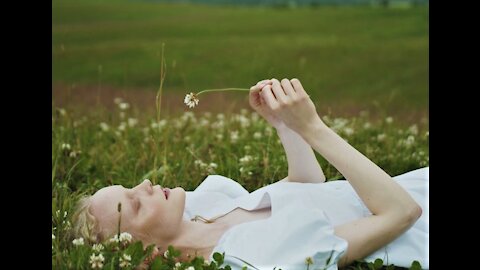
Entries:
{"x":412,"y":214}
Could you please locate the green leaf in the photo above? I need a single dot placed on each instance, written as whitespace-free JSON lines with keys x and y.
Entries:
{"x":218,"y":258}
{"x":415,"y":266}
{"x":378,"y":263}
{"x":157,"y":264}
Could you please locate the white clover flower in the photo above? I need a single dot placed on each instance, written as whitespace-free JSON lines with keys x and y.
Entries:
{"x":97,"y":261}
{"x":348,"y":131}
{"x":427,"y":134}
{"x":62,"y":112}
{"x":65,"y":146}
{"x":234,"y":136}
{"x":78,"y":242}
{"x":244,"y":121}
{"x":246,"y":159}
{"x":191,"y":100}
{"x":166,"y":253}
{"x":104,"y":126}
{"x":257,"y":135}
{"x":243,"y":111}
{"x":204,"y":122}
{"x":97,"y":247}
{"x":117,"y":100}
{"x":125,"y":261}
{"x":219,"y":137}
{"x":413,"y":129}
{"x":177,"y":266}
{"x":132,"y":122}
{"x":114,"y":239}
{"x":122,"y":126}
{"x":389,"y":120}
{"x":57,"y":213}
{"x":125,"y":238}
{"x":220,"y":124}
{"x":118,"y":133}
{"x":123,"y":106}
{"x":247,"y":148}
{"x":409,"y":141}
{"x":190,"y":268}
{"x":213,"y":165}
{"x":381,"y":137}
{"x":220,"y":116}
{"x":53,"y":236}
{"x":367,"y":125}
{"x":74,"y":154}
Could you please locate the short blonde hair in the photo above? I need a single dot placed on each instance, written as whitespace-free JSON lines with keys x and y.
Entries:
{"x":84,"y":223}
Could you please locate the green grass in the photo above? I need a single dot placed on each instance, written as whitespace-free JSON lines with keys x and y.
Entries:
{"x":355,"y":54}
{"x":180,"y":152}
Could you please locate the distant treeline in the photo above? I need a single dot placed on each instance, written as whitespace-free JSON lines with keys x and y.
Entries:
{"x":292,"y":3}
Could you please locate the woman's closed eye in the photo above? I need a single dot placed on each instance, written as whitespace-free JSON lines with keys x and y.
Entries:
{"x":136,"y":204}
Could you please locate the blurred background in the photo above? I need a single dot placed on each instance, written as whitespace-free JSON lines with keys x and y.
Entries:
{"x":351,"y":55}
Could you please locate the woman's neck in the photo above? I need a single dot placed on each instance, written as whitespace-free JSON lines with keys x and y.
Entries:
{"x":198,"y":239}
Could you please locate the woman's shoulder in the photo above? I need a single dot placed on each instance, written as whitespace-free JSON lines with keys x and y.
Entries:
{"x":221,"y":184}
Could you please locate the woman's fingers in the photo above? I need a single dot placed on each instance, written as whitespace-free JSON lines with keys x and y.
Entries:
{"x":268,"y":97}
{"x":278,"y":91}
{"x":298,"y":87}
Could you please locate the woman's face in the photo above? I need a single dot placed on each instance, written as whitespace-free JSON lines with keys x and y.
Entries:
{"x":146,"y":212}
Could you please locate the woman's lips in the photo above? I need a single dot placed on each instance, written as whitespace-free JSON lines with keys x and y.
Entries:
{"x":166,"y":191}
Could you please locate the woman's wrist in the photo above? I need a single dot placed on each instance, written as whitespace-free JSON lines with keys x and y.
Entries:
{"x":315,"y":132}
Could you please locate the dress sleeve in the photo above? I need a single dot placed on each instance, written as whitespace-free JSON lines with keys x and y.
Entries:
{"x":221,"y":184}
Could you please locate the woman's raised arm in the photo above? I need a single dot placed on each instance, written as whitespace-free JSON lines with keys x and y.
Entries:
{"x":303,"y":166}
{"x":393,"y":209}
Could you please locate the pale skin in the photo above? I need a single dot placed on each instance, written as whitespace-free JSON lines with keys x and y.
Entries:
{"x":393,"y":209}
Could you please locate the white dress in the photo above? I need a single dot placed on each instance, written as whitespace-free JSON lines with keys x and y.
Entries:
{"x":302,"y":222}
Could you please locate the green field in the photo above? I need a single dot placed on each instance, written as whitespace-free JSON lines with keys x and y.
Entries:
{"x":343,"y":55}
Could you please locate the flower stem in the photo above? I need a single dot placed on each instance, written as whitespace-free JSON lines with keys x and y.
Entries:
{"x":222,"y":89}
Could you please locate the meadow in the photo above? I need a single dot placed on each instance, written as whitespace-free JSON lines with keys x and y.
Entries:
{"x":371,"y":62}
{"x":356,"y":56}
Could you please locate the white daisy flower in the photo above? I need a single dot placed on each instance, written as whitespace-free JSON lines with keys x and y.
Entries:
{"x":191,"y":100}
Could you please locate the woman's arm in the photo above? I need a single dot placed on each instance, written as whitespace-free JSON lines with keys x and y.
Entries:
{"x":393,"y":209}
{"x":302,"y":164}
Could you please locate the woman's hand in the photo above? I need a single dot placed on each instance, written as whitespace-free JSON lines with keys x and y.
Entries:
{"x":258,"y":104}
{"x":288,"y":102}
